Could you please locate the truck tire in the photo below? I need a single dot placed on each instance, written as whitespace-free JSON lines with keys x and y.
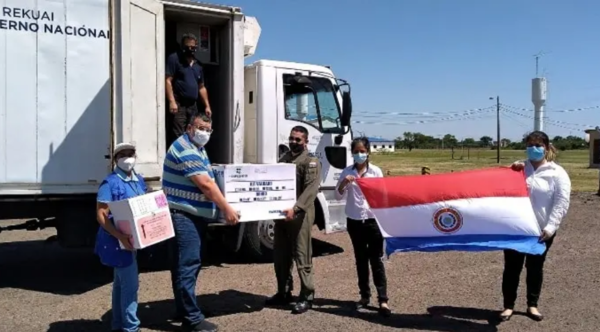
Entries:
{"x":258,"y":240}
{"x":76,"y":225}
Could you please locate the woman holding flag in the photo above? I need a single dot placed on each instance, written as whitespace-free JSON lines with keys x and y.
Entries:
{"x":363,"y":229}
{"x":549,"y":190}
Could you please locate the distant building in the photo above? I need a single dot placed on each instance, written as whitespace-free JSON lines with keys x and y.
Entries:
{"x":379,"y":144}
{"x":593,"y":138}
{"x":503,"y":143}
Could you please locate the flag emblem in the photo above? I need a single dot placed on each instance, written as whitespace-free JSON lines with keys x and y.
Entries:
{"x":447,"y":220}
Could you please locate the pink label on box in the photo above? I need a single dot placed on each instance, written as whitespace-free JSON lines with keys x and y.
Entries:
{"x":155,"y":228}
{"x":161,"y":201}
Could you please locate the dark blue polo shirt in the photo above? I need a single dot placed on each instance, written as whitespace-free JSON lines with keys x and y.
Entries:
{"x":186,"y":79}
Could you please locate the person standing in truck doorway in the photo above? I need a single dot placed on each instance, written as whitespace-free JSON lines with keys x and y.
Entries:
{"x":293,"y":234}
{"x":184,"y":84}
{"x":122,"y":183}
{"x":193,"y":196}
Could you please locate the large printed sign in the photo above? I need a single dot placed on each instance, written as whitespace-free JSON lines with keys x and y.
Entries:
{"x":54,"y":95}
{"x":35,"y":20}
{"x":258,"y":192}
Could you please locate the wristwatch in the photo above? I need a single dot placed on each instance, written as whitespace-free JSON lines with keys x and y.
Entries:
{"x":297,"y":209}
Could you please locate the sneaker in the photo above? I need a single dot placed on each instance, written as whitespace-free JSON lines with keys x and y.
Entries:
{"x":362,"y":303}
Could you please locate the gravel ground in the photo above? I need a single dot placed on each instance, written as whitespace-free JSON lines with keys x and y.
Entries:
{"x":46,"y":288}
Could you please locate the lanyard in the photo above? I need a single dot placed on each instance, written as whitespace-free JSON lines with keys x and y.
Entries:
{"x":135,"y":187}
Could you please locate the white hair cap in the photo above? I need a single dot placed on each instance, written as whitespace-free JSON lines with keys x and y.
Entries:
{"x":123,"y":146}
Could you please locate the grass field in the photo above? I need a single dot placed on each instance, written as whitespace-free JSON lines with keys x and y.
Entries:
{"x":440,"y":161}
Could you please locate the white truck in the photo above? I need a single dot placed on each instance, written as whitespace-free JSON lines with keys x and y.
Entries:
{"x":79,"y":76}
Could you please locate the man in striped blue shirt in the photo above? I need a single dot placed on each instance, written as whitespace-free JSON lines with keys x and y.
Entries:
{"x":194,"y":197}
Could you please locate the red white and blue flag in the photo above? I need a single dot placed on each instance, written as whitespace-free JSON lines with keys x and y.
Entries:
{"x":478,"y":210}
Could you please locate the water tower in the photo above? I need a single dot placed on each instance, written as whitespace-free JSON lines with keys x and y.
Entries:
{"x":539,"y":90}
{"x":538,"y":97}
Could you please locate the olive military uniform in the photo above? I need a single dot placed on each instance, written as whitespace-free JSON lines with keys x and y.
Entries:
{"x":293,"y":237}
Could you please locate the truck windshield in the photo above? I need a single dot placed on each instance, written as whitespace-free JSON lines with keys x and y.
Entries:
{"x":303,"y":106}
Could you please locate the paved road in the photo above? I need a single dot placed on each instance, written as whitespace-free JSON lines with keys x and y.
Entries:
{"x":47,"y":289}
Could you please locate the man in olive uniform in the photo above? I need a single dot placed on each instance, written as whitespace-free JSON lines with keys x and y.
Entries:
{"x":293,"y":235}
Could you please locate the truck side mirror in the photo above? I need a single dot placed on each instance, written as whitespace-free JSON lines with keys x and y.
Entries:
{"x":346,"y":109}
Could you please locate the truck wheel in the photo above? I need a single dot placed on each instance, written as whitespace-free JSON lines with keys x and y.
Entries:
{"x":259,"y":239}
{"x":76,"y":224}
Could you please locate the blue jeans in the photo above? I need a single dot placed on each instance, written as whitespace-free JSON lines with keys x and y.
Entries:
{"x":124,"y":298}
{"x":186,"y":266}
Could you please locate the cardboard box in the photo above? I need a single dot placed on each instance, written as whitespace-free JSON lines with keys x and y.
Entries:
{"x":258,"y":191}
{"x":147,"y":218}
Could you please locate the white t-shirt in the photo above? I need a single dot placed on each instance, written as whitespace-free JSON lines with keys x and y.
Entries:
{"x":357,"y":206}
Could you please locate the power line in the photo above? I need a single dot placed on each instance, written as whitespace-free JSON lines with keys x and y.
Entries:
{"x":473,"y":114}
{"x":483,"y":114}
{"x":555,"y":111}
{"x":560,"y":124}
{"x":528,"y":127}
{"x":510,"y":117}
{"x":422,"y":114}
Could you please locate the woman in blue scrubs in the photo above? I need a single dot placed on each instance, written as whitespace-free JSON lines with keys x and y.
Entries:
{"x":122,"y":183}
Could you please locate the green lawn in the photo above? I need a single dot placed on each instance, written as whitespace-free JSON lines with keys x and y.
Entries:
{"x":440,"y":161}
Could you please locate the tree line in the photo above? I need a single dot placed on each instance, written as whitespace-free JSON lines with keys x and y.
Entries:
{"x":416,"y":140}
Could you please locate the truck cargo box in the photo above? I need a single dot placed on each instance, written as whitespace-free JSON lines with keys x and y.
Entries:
{"x":68,"y":92}
{"x":55,"y":121}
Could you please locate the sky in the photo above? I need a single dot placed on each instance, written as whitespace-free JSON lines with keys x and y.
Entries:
{"x":445,"y":56}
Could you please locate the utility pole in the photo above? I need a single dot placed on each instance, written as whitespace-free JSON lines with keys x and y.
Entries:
{"x":497,"y":128}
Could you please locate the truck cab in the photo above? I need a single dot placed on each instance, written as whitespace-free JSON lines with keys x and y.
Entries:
{"x":278,"y":96}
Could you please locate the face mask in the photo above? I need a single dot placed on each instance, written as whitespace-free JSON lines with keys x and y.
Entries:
{"x":535,"y":153}
{"x":296,"y":148}
{"x":126,"y":164}
{"x":360,"y":158}
{"x":201,"y":137}
{"x":189,"y":50}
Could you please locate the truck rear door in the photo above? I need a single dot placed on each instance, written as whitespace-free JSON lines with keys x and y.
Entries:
{"x":137,"y":80}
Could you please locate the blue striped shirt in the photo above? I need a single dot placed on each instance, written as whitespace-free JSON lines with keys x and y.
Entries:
{"x":184,"y":160}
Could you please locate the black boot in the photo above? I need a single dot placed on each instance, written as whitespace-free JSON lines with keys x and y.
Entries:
{"x":302,"y":307}
{"x":279,"y":299}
